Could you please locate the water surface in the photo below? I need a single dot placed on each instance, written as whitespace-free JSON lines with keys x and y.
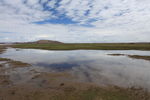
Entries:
{"x":89,"y":65}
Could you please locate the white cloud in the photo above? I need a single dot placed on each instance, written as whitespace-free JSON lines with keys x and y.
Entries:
{"x":52,"y":3}
{"x":112,"y":20}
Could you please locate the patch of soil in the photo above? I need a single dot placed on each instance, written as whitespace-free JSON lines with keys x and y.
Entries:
{"x":4,"y":80}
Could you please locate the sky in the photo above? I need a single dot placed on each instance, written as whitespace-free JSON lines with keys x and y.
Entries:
{"x":75,"y":20}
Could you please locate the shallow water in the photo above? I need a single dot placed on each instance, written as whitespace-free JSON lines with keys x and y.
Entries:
{"x":88,"y":65}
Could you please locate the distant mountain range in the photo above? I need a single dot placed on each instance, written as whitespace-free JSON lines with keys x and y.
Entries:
{"x":40,"y":42}
{"x":46,"y":41}
{"x":52,"y":41}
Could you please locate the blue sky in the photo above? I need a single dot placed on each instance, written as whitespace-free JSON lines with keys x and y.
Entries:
{"x":75,"y":20}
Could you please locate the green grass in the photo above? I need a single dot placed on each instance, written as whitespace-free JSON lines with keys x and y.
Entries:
{"x":87,"y":46}
{"x":4,"y":59}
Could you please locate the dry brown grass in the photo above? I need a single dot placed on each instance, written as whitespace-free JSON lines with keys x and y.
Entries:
{"x":18,"y":64}
{"x":140,"y":57}
{"x":133,"y":56}
{"x":2,"y":49}
{"x":71,"y":92}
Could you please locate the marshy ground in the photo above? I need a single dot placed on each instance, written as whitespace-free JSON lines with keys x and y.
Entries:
{"x":59,"y":85}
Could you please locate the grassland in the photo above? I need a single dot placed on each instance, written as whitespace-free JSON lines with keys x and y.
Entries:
{"x":87,"y":46}
{"x":54,"y":86}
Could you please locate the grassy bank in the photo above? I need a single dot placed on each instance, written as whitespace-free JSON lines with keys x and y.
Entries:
{"x":87,"y":46}
{"x":140,"y":57}
{"x":2,"y":49}
{"x":133,"y":56}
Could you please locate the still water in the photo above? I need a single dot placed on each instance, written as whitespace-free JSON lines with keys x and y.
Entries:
{"x":94,"y":66}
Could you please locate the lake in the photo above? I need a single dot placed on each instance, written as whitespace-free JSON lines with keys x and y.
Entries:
{"x":94,"y":66}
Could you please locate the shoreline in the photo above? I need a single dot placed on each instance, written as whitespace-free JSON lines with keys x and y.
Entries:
{"x":57,"y":86}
